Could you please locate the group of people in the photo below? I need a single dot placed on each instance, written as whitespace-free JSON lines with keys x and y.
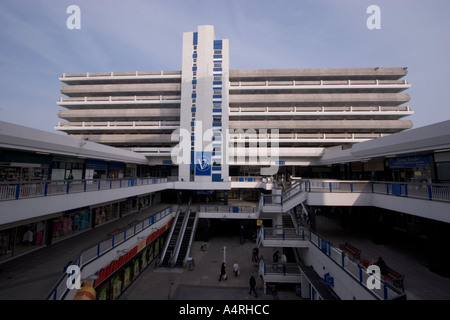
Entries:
{"x":236,"y":270}
{"x":255,"y":258}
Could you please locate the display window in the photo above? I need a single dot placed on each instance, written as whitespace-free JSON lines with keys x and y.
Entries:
{"x":21,"y":239}
{"x":70,"y":224}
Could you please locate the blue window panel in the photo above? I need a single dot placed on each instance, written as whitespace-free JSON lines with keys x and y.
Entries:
{"x":217,"y":96}
{"x":192,"y":124}
{"x":215,"y":110}
{"x":217,"y":69}
{"x":194,"y":96}
{"x":217,"y":56}
{"x":217,"y":101}
{"x":194,"y":68}
{"x":194,"y":81}
{"x":219,"y":124}
{"x":194,"y":56}
{"x":217,"y":83}
{"x":192,"y":138}
{"x":217,"y":168}
{"x":193,"y":109}
{"x":195,"y":38}
{"x":217,"y":44}
{"x":216,"y":177}
{"x":192,"y":161}
{"x":217,"y":116}
{"x":217,"y":61}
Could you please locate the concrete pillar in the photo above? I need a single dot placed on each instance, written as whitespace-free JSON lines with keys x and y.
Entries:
{"x":438,"y":243}
{"x":306,"y":294}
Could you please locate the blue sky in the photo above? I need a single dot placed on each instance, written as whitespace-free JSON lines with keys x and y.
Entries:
{"x":137,"y":35}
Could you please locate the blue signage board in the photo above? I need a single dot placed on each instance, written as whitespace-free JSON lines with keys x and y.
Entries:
{"x":203,"y":163}
{"x":328,"y":280}
{"x":409,"y":162}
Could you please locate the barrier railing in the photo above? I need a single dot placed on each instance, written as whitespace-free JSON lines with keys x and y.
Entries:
{"x":356,"y":271}
{"x":94,"y":252}
{"x":22,"y":190}
{"x":433,"y":191}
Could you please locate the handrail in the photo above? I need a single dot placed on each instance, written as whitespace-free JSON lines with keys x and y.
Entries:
{"x":166,"y":244}
{"x":433,"y":191}
{"x":16,"y":190}
{"x":386,"y":291}
{"x":60,"y":289}
{"x":174,"y":257}
{"x":191,"y":239}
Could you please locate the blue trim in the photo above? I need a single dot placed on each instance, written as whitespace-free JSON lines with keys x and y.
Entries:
{"x":194,"y":68}
{"x":217,"y":96}
{"x":195,"y":40}
{"x":217,"y":56}
{"x":193,"y":109}
{"x":219,"y":124}
{"x":194,"y":81}
{"x":217,"y":69}
{"x":216,"y":177}
{"x":192,"y":124}
{"x":217,"y":168}
{"x":194,"y":56}
{"x":217,"y":83}
{"x":194,"y":96}
{"x":217,"y":44}
{"x":217,"y":110}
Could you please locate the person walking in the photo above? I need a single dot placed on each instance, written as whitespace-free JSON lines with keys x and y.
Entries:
{"x":252,"y":283}
{"x":284,"y":262}
{"x":255,"y":254}
{"x":275,"y":259}
{"x":223,"y":273}
{"x":236,"y":269}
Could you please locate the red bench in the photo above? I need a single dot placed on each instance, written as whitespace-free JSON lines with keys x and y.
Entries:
{"x":353,"y":252}
{"x":395,"y":277}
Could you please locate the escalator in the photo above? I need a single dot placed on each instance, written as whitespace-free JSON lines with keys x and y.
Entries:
{"x":186,"y":242}
{"x":170,"y":247}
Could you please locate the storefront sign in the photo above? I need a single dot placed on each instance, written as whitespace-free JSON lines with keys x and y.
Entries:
{"x":116,"y":264}
{"x":409,"y":162}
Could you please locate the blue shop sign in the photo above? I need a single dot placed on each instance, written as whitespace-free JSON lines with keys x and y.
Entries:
{"x":409,"y":162}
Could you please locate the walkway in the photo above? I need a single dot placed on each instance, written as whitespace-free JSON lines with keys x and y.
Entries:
{"x":203,"y":282}
{"x":420,"y":283}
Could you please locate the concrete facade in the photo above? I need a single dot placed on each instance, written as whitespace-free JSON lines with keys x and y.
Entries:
{"x":290,"y":109}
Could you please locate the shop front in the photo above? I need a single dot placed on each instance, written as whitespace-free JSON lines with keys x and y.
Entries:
{"x":411,"y":168}
{"x":71,"y":223}
{"x":21,"y":239}
{"x":117,"y":276}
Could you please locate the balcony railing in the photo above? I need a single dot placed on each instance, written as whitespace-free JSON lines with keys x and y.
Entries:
{"x":434,"y":191}
{"x":24,"y":189}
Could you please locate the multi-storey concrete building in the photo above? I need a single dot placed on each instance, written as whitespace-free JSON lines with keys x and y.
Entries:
{"x":238,"y":121}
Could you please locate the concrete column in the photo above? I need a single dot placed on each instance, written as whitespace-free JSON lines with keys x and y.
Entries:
{"x":438,"y":243}
{"x":306,"y":294}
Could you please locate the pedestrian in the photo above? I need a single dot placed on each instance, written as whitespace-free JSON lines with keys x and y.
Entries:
{"x":223,"y":273}
{"x":284,"y":262}
{"x":382,"y":265}
{"x":255,"y":254}
{"x":252,"y":283}
{"x":275,"y":259}
{"x":236,"y":269}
